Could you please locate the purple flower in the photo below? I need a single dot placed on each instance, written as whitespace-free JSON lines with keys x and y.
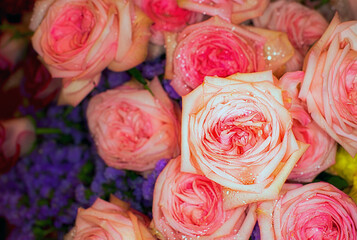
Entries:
{"x":170,"y":90}
{"x":75,"y":115}
{"x":149,"y":183}
{"x":80,"y":193}
{"x":74,"y":153}
{"x":121,"y":185}
{"x":153,"y":68}
{"x":112,"y":173}
{"x":116,"y":79}
{"x":23,"y":233}
{"x":256,"y":232}
{"x":97,"y":183}
{"x":45,"y":191}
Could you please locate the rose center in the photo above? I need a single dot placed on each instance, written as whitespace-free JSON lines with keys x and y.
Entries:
{"x":321,"y":226}
{"x":222,"y":55}
{"x":71,"y":30}
{"x":198,"y":203}
{"x":128,"y":124}
{"x":242,"y":132}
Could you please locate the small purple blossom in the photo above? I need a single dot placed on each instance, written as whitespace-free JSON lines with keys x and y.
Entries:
{"x":112,"y":173}
{"x":116,"y":79}
{"x":170,"y":90}
{"x":256,"y":232}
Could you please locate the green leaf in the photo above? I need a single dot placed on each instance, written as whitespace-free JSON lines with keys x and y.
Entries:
{"x":134,"y":72}
{"x":86,"y":174}
{"x":43,"y":202}
{"x":131,"y":174}
{"x":335,"y":180}
{"x":48,"y":131}
{"x":64,"y":139}
{"x":43,"y":223}
{"x":88,"y":193}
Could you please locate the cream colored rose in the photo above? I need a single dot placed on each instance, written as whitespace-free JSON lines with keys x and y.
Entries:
{"x":237,"y":132}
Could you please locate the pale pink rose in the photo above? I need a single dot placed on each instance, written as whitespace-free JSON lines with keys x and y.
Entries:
{"x":237,"y":132}
{"x":218,"y":48}
{"x":322,"y":148}
{"x":190,"y":206}
{"x":132,"y":128}
{"x":303,"y":25}
{"x":236,"y":11}
{"x":330,"y":84}
{"x":167,"y":16}
{"x":313,"y":211}
{"x":77,"y":39}
{"x":108,"y":221}
{"x":17,"y":137}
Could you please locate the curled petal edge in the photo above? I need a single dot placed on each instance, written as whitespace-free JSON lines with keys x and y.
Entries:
{"x":73,"y":92}
{"x":234,"y":199}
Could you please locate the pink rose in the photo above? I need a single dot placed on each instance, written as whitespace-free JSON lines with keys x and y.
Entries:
{"x":322,"y":148}
{"x":330,"y":84}
{"x":313,"y":211}
{"x":78,"y":39}
{"x":303,"y":25}
{"x":167,"y":16}
{"x":17,"y":137}
{"x":236,"y":132}
{"x":218,"y":48}
{"x":109,"y":220}
{"x":190,"y":206}
{"x":236,"y":11}
{"x":132,"y":128}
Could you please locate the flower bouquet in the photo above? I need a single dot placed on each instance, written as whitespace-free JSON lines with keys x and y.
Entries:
{"x":165,"y":119}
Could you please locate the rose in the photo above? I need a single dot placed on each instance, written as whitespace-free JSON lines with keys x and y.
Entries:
{"x":167,"y":16}
{"x":236,"y":132}
{"x":11,"y":50}
{"x":313,"y":211}
{"x":303,"y":25}
{"x":132,"y":128}
{"x":212,"y":48}
{"x":330,"y":84}
{"x":17,"y":137}
{"x":217,"y":47}
{"x":109,"y":220}
{"x":322,"y":148}
{"x":78,"y":39}
{"x":236,"y":11}
{"x":37,"y":84}
{"x":190,"y":206}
